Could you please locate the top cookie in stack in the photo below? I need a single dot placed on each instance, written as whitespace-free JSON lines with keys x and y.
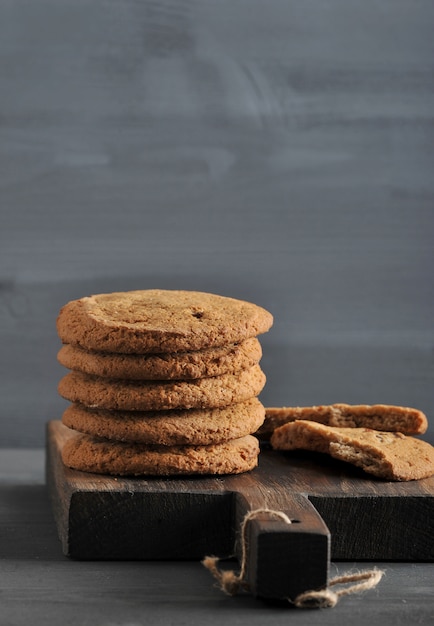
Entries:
{"x":162,"y":382}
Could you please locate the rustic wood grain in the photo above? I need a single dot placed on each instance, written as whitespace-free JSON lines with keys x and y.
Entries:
{"x":40,"y":585}
{"x":102,"y":517}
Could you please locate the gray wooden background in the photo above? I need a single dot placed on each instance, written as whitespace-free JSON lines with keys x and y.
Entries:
{"x":279,"y":151}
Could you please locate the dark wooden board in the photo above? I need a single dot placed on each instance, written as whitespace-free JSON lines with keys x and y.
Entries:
{"x":100,"y":517}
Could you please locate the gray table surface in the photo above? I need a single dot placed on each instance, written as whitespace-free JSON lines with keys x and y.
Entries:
{"x":41,"y":586}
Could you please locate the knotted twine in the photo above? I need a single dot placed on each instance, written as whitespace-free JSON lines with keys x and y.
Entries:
{"x":231,"y":583}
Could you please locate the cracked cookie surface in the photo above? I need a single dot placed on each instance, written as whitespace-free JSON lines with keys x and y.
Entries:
{"x":89,"y":454}
{"x":386,"y":455}
{"x":173,"y":427}
{"x":106,"y":393}
{"x":157,"y":320}
{"x":406,"y":420}
{"x":176,"y":365}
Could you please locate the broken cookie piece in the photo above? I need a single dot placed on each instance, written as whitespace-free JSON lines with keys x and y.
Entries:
{"x":406,"y":420}
{"x":386,"y":455}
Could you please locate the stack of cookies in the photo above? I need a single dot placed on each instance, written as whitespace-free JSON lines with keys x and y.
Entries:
{"x":162,"y":383}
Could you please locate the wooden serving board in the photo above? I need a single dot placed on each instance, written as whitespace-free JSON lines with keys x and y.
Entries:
{"x":338,"y":512}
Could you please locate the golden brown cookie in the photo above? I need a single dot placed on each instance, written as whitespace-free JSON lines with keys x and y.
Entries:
{"x":107,"y":393}
{"x":177,"y":365}
{"x":90,"y":454}
{"x":386,"y":455}
{"x":175,"y":427}
{"x":160,"y":321}
{"x":406,"y":420}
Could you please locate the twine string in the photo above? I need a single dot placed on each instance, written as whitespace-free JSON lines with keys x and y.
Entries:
{"x":327,"y":598}
{"x":228,"y":580}
{"x":231,"y":583}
